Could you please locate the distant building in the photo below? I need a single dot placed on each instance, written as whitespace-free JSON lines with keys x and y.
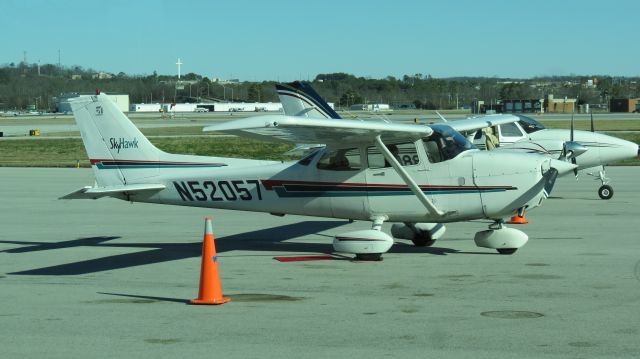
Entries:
{"x":375,"y":107}
{"x":62,"y":101}
{"x":102,"y":76}
{"x":549,"y":104}
{"x":221,"y":107}
{"x":624,"y":105}
{"x":522,"y":106}
{"x":563,"y":105}
{"x":145,"y":107}
{"x":478,"y":106}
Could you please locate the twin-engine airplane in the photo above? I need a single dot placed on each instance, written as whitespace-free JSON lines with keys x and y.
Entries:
{"x":591,"y":151}
{"x":416,"y":176}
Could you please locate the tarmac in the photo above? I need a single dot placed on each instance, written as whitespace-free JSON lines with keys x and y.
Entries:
{"x":106,"y":278}
{"x":18,"y":127}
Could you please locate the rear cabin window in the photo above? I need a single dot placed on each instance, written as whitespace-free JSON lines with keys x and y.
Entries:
{"x":510,"y":130}
{"x":405,"y":153}
{"x":306,"y":160}
{"x":341,"y":160}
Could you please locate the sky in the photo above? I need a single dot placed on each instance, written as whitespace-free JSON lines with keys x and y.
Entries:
{"x":285,"y":40}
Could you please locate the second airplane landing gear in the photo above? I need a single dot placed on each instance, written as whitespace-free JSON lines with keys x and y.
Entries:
{"x":499,"y":237}
{"x":605,"y":191}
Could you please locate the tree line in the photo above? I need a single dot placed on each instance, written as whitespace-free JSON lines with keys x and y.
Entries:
{"x":32,"y":86}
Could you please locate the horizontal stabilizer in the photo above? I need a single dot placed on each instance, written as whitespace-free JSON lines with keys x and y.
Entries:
{"x":89,"y":192}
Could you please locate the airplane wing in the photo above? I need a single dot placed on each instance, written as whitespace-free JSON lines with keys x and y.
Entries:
{"x":476,"y":123}
{"x":336,"y":132}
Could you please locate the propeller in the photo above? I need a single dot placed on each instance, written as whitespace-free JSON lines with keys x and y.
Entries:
{"x":592,"y":128}
{"x":572,"y":149}
{"x":573,"y":158}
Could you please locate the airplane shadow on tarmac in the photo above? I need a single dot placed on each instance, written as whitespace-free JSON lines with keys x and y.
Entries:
{"x":268,"y":240}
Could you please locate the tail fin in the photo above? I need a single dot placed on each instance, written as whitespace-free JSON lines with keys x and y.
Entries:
{"x":300,"y":99}
{"x":118,"y":151}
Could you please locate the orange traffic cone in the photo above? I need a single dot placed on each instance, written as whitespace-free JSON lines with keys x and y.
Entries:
{"x":210,"y":287}
{"x":517,"y":219}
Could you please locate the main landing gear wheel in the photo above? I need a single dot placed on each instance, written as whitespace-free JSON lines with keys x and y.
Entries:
{"x":605,"y":192}
{"x":370,"y":257}
{"x":507,"y":251}
{"x":423,"y":240}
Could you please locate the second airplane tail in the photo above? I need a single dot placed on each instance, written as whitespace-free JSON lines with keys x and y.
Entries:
{"x":300,"y":99}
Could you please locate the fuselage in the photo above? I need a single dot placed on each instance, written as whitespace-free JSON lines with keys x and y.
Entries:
{"x":472,"y":185}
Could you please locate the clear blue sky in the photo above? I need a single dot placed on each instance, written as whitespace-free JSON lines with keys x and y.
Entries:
{"x":286,"y":40}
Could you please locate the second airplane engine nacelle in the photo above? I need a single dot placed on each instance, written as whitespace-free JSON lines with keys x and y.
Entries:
{"x":403,"y":231}
{"x":368,"y":241}
{"x":501,"y":238}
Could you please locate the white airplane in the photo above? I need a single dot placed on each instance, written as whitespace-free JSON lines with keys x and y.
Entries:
{"x":441,"y":177}
{"x":591,"y":151}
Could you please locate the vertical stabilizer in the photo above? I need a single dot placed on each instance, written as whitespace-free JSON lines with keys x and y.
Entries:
{"x":118,"y":151}
{"x":300,"y":99}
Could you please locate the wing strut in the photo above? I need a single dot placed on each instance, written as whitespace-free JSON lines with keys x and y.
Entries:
{"x":407,"y":179}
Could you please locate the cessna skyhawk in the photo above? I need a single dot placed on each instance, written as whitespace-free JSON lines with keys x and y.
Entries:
{"x":590,"y":151}
{"x":437,"y":176}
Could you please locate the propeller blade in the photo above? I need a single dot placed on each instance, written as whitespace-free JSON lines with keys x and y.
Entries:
{"x":592,"y":129}
{"x":571,"y":127}
{"x":575,"y":170}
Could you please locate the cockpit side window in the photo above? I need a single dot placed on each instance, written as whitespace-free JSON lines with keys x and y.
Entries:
{"x":445,"y":143}
{"x":341,"y":160}
{"x":530,"y":125}
{"x":405,"y":153}
{"x":510,"y":130}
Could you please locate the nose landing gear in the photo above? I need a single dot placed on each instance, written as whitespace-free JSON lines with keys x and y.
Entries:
{"x":605,"y":191}
{"x":501,"y":238}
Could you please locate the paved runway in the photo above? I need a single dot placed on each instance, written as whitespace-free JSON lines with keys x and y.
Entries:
{"x":107,"y":279}
{"x":18,"y":127}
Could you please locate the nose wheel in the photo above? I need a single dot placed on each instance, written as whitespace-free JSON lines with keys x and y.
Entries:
{"x":502,"y":239}
{"x":605,"y":191}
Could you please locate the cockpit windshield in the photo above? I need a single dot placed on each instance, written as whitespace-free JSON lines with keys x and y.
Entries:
{"x":445,"y":143}
{"x":529,"y":125}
